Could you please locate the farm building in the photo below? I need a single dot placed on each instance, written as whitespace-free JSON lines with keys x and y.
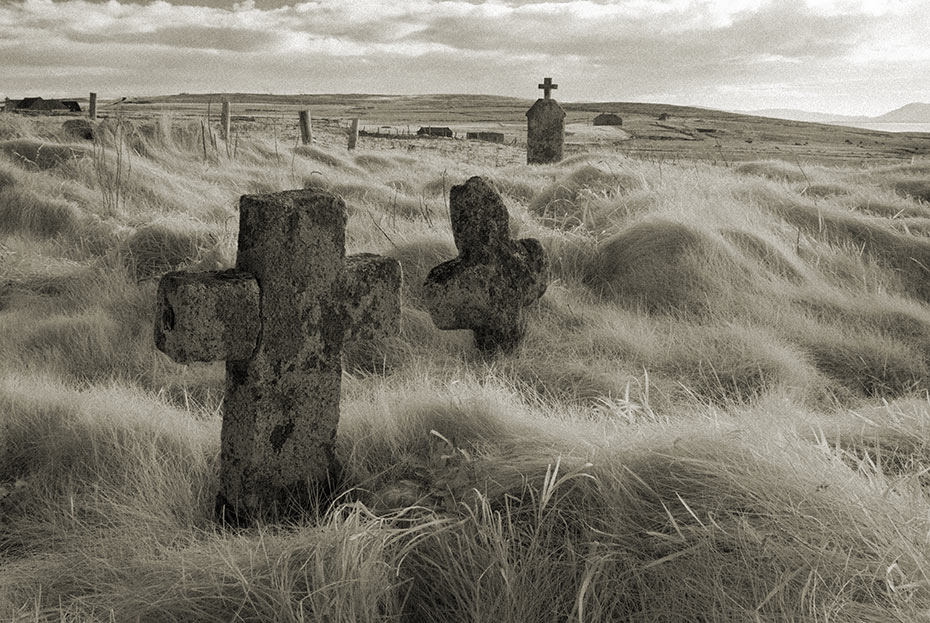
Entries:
{"x":493,"y":137}
{"x":39,"y":104}
{"x":434,"y":131}
{"x":608,"y":118}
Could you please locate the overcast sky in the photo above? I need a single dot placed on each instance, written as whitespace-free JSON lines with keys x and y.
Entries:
{"x":841,"y":56}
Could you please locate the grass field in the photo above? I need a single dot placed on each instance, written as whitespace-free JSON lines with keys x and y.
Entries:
{"x":720,"y":412}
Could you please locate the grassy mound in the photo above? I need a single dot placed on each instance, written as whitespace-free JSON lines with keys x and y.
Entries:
{"x":584,"y":197}
{"x":666,"y":267}
{"x":39,"y":155}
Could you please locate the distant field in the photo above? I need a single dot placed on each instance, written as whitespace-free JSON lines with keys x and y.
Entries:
{"x":687,"y":132}
{"x":720,"y":411}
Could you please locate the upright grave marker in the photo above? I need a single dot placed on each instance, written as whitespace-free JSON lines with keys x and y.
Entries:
{"x":353,"y":134}
{"x":488,"y":286}
{"x":545,"y":128}
{"x":306,"y":134}
{"x":279,"y":319}
{"x":92,"y":107}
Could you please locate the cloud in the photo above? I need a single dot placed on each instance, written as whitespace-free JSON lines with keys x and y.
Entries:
{"x":618,"y":49}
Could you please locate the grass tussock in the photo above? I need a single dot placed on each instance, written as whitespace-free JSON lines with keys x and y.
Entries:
{"x":719,"y":412}
{"x":39,"y":155}
{"x":772,"y":169}
{"x":666,"y":267}
{"x":157,"y":247}
{"x":586,"y":197}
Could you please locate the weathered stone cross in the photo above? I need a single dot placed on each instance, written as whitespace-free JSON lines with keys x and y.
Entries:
{"x":547,"y":87}
{"x":279,"y":319}
{"x":487,"y":287}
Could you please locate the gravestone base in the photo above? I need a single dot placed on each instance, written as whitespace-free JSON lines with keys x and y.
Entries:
{"x":292,"y":503}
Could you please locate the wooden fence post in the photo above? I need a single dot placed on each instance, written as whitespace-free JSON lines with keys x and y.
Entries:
{"x":306,"y":132}
{"x":353,"y":134}
{"x":224,"y":128}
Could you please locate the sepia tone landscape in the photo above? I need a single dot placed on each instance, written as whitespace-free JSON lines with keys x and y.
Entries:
{"x":719,"y":410}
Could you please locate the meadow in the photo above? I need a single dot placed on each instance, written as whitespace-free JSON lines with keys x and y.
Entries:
{"x":720,"y":411}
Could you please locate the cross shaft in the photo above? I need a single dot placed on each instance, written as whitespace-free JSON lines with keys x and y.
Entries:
{"x":299,"y":300}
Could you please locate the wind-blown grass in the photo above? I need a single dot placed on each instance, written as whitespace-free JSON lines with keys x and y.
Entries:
{"x":720,"y":411}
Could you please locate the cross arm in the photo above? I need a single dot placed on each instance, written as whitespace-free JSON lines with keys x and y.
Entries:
{"x":207,"y":316}
{"x":372,"y":303}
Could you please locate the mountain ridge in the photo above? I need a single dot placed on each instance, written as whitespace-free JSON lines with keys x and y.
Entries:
{"x":915,"y":112}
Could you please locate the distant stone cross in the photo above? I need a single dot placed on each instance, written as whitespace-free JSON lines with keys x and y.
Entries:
{"x":279,"y":319}
{"x":494,"y":278}
{"x":547,"y":87}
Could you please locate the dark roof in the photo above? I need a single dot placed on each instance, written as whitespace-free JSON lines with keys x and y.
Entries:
{"x":28,"y":102}
{"x":434,"y":131}
{"x":37,"y":103}
{"x":608,"y":118}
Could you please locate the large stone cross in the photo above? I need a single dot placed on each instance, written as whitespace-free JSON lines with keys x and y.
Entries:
{"x":279,"y":319}
{"x":547,"y":87}
{"x":488,"y":286}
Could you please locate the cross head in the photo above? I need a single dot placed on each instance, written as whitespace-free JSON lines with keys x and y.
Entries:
{"x":279,"y":319}
{"x":547,"y":87}
{"x":489,"y":285}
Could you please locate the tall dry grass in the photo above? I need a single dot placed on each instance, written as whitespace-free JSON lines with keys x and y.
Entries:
{"x":720,"y":412}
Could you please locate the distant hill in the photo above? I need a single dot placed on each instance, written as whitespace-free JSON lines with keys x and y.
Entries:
{"x":910,"y":113}
{"x":794,"y":114}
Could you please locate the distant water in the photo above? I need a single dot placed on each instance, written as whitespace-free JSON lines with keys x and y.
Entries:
{"x":891,"y":127}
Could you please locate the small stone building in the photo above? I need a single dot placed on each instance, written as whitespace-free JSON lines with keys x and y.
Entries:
{"x":493,"y":137}
{"x":608,"y":118}
{"x":42,"y":105}
{"x":435,"y":131}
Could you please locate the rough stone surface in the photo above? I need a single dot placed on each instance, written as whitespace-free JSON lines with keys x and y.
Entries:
{"x":494,"y":278}
{"x":282,"y":402}
{"x":372,"y":301}
{"x":545,"y":132}
{"x":207,"y":316}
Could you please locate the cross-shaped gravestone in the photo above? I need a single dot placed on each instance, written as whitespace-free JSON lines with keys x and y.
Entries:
{"x":488,"y":286}
{"x":547,"y":87}
{"x":279,"y":320}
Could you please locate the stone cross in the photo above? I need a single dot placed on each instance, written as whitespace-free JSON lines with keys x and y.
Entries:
{"x":547,"y":87}
{"x":545,"y":131}
{"x":279,"y":319}
{"x":494,"y":278}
